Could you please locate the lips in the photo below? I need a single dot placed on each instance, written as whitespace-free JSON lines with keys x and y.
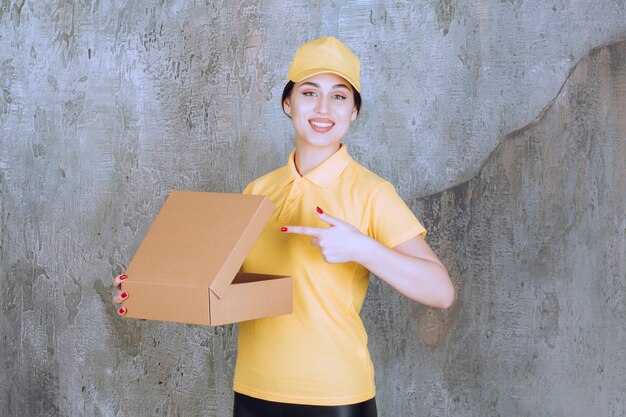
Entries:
{"x":321,"y":125}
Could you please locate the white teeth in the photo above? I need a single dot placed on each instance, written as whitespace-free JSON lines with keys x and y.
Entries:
{"x":320,"y":124}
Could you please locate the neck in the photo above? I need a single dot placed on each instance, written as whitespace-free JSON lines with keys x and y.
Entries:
{"x":308,"y":157}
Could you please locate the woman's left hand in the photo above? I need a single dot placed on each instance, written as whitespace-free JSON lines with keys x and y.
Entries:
{"x":341,"y":242}
{"x":410,"y":267}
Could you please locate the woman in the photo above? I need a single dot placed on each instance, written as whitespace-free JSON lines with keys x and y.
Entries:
{"x":335,"y":222}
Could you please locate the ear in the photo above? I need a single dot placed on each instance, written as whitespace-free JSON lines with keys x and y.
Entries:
{"x":355,"y":113}
{"x":287,"y":106}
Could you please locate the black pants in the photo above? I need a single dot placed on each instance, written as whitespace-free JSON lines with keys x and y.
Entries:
{"x":245,"y":406}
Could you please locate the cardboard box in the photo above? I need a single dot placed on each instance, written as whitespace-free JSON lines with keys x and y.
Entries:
{"x":186,"y":268}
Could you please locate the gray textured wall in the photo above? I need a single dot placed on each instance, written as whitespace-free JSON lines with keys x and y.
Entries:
{"x":499,"y":122}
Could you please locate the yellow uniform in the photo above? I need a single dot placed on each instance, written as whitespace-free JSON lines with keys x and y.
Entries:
{"x":317,"y":355}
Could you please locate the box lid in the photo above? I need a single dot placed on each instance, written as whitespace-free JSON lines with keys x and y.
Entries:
{"x":200,"y":239}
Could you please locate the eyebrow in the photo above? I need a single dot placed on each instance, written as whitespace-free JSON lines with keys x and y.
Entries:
{"x":318,"y":86}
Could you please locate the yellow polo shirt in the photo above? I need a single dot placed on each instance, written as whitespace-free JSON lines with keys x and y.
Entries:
{"x":317,"y":355}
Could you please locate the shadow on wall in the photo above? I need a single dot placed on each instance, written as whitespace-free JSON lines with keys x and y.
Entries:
{"x":535,"y":244}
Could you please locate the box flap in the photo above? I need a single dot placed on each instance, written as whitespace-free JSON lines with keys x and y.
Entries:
{"x":252,"y":296}
{"x":200,"y":239}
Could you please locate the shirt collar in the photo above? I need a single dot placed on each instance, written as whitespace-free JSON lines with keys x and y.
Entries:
{"x":323,"y":174}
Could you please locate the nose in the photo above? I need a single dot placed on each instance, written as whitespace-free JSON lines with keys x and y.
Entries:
{"x":323,"y":105}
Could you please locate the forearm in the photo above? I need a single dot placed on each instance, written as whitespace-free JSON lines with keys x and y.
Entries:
{"x":422,"y":280}
{"x":411,"y":267}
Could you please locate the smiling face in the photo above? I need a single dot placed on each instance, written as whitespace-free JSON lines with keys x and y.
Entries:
{"x":321,"y":109}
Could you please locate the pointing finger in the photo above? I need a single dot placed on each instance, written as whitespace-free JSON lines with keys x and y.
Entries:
{"x":302,"y":230}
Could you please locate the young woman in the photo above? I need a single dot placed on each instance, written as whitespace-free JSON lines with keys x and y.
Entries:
{"x":335,"y":223}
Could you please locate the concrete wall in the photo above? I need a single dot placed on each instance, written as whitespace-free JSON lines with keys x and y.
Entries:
{"x":509,"y":151}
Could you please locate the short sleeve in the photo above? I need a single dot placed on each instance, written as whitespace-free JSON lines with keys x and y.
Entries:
{"x":391,"y":221}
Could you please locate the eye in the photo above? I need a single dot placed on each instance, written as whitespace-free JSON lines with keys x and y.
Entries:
{"x":309,"y":93}
{"x":339,"y":97}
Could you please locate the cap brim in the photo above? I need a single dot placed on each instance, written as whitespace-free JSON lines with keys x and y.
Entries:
{"x":303,"y":75}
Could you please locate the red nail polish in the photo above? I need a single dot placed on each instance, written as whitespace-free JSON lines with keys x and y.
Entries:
{"x":320,"y":211}
{"x":124,"y":295}
{"x":122,"y":310}
{"x":122,"y":277}
{"x":283,"y":229}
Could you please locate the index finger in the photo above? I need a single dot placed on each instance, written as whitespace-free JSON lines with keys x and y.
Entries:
{"x":117,"y":281}
{"x":302,"y":230}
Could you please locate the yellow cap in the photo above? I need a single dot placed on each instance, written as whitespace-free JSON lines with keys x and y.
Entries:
{"x":323,"y":55}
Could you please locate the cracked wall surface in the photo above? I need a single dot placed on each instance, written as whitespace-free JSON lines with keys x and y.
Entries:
{"x":536,"y":243}
{"x":499,"y":121}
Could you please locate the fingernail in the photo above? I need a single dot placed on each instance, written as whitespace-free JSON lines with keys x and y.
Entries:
{"x":320,"y":211}
{"x":121,"y":311}
{"x":122,"y":277}
{"x":124,"y":295}
{"x":283,"y":229}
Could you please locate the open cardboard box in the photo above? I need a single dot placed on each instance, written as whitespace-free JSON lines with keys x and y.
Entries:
{"x":186,"y":268}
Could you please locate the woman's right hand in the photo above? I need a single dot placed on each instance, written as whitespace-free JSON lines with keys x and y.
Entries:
{"x":121,"y":295}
